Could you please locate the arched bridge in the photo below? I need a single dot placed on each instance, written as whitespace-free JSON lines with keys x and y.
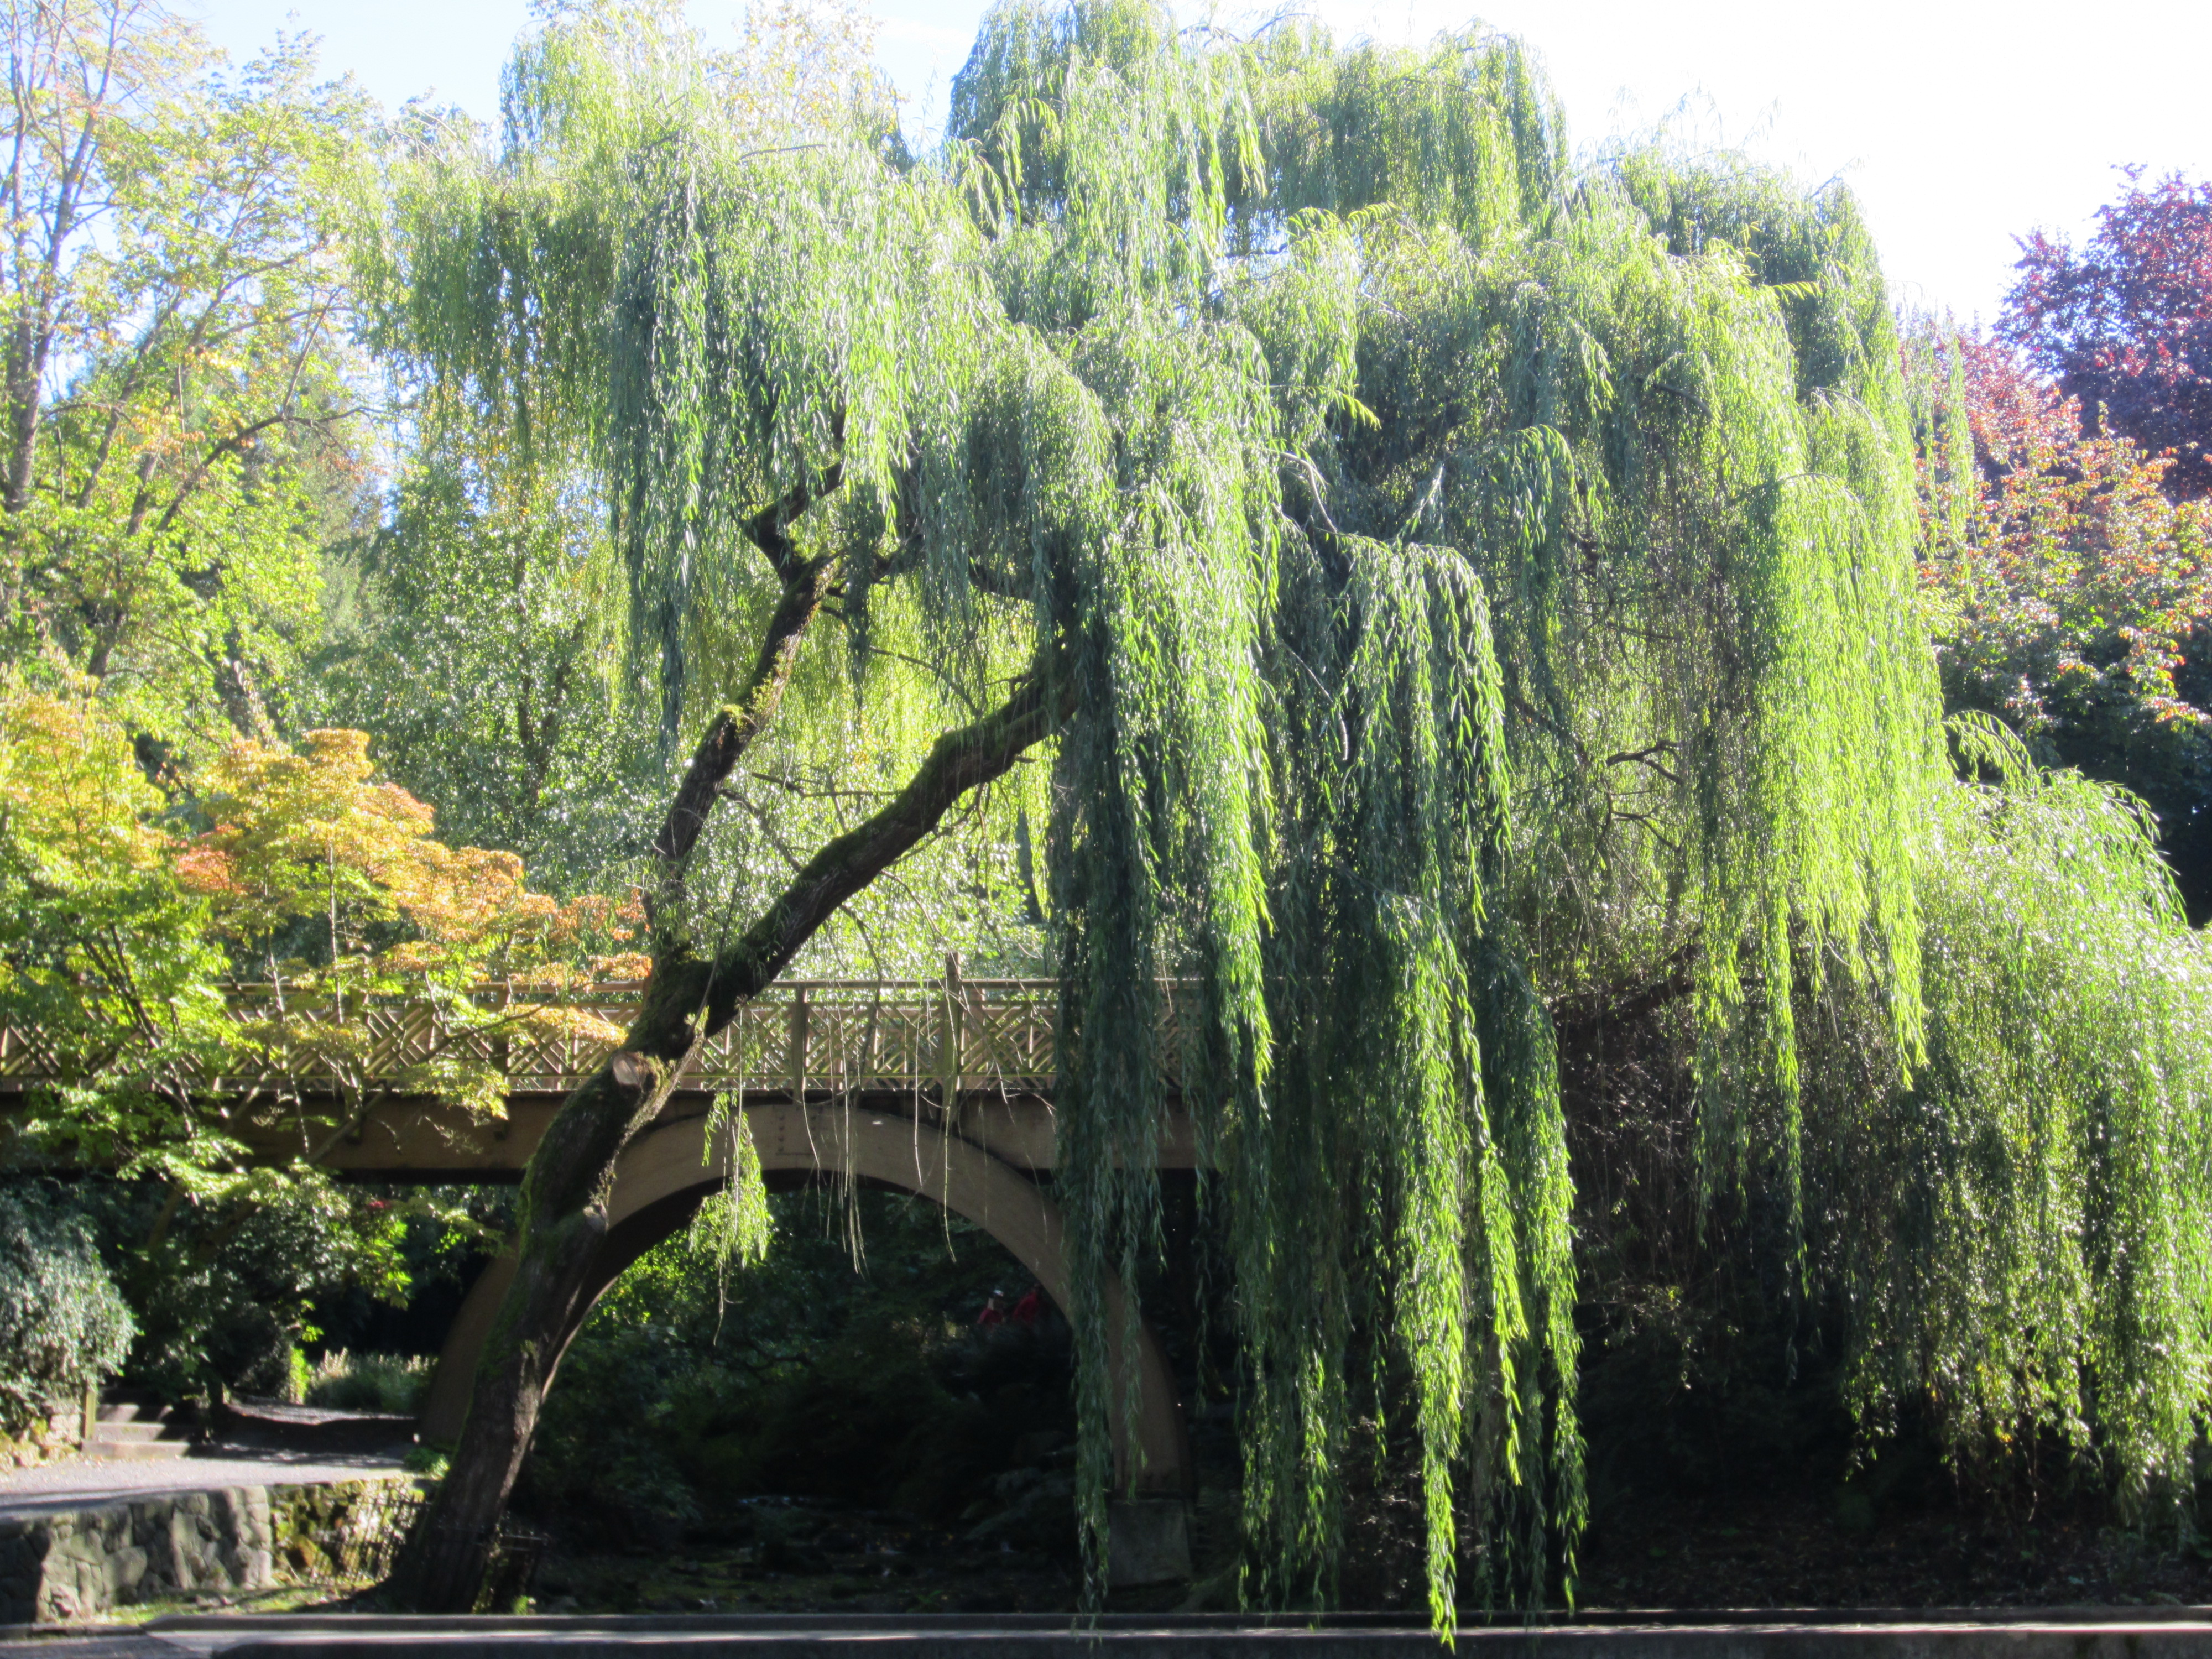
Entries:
{"x":942,"y":1088}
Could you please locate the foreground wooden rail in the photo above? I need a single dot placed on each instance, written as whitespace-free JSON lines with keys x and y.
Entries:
{"x":356,"y":1086}
{"x":806,"y":1036}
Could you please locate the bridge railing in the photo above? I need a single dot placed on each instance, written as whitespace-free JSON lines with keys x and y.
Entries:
{"x":801,"y":1036}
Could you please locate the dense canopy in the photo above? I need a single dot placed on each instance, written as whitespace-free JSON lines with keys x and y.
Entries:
{"x":1449,"y":595}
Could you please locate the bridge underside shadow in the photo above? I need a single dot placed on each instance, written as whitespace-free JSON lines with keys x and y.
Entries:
{"x":669,"y":1171}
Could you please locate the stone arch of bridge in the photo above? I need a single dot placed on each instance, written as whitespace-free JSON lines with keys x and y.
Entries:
{"x":669,"y":1170}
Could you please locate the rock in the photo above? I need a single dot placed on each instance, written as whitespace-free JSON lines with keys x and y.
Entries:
{"x":1147,"y":1542}
{"x":126,"y":1570}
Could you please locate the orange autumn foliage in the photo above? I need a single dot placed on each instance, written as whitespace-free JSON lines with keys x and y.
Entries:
{"x":118,"y":935}
{"x":310,"y":843}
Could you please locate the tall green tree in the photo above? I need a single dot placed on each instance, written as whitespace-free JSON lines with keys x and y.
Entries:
{"x":1448,"y":588}
{"x":180,"y":423}
{"x":480,"y":642}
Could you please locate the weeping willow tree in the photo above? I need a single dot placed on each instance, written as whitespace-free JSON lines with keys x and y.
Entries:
{"x":1440,"y":590}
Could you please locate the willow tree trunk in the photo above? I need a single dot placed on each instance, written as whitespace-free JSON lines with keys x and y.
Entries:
{"x":563,"y":1216}
{"x":567,"y":1187}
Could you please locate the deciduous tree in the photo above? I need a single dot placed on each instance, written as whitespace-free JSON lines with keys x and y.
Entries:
{"x":122,"y":934}
{"x":2068,"y":594}
{"x":179,"y":416}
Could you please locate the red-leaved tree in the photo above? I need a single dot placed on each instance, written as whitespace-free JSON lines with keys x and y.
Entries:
{"x":2068,"y":596}
{"x":2124,"y":326}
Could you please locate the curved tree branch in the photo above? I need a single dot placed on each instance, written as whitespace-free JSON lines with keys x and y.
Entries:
{"x":806,"y":583}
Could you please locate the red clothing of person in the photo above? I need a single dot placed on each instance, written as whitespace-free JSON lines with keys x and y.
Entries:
{"x":1028,"y":1309}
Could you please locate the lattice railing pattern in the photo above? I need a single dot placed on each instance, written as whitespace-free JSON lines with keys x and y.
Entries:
{"x":805,"y":1036}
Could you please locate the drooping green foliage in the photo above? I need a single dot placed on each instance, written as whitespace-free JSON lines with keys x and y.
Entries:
{"x":2021,"y":1227}
{"x":1657,"y":414}
{"x":1467,"y":582}
{"x":732,"y":1227}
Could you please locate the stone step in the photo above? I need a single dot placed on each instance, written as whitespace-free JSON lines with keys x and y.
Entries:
{"x":133,"y":1411}
{"x":108,"y":1432}
{"x":116,"y":1451}
{"x":136,"y":1427}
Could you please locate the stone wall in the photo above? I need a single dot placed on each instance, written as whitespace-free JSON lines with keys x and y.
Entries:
{"x":344,"y":1532}
{"x":78,"y":1564}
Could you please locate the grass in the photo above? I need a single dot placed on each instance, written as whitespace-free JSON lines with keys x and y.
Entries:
{"x":390,"y":1382}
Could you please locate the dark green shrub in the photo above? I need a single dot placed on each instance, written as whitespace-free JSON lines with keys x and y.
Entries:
{"x":63,"y":1322}
{"x":866,"y":1384}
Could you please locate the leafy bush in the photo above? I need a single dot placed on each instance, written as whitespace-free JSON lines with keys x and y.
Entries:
{"x":61,"y":1320}
{"x":223,"y":1290}
{"x":392,"y":1382}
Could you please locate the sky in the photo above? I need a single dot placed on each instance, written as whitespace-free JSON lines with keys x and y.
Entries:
{"x":1959,"y":126}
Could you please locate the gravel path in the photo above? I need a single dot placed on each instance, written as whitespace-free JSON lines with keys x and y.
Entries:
{"x":84,"y":1481}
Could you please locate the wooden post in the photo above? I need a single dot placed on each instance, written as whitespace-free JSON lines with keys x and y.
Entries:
{"x":948,"y":1054}
{"x":502,"y":1046}
{"x":798,"y":1058}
